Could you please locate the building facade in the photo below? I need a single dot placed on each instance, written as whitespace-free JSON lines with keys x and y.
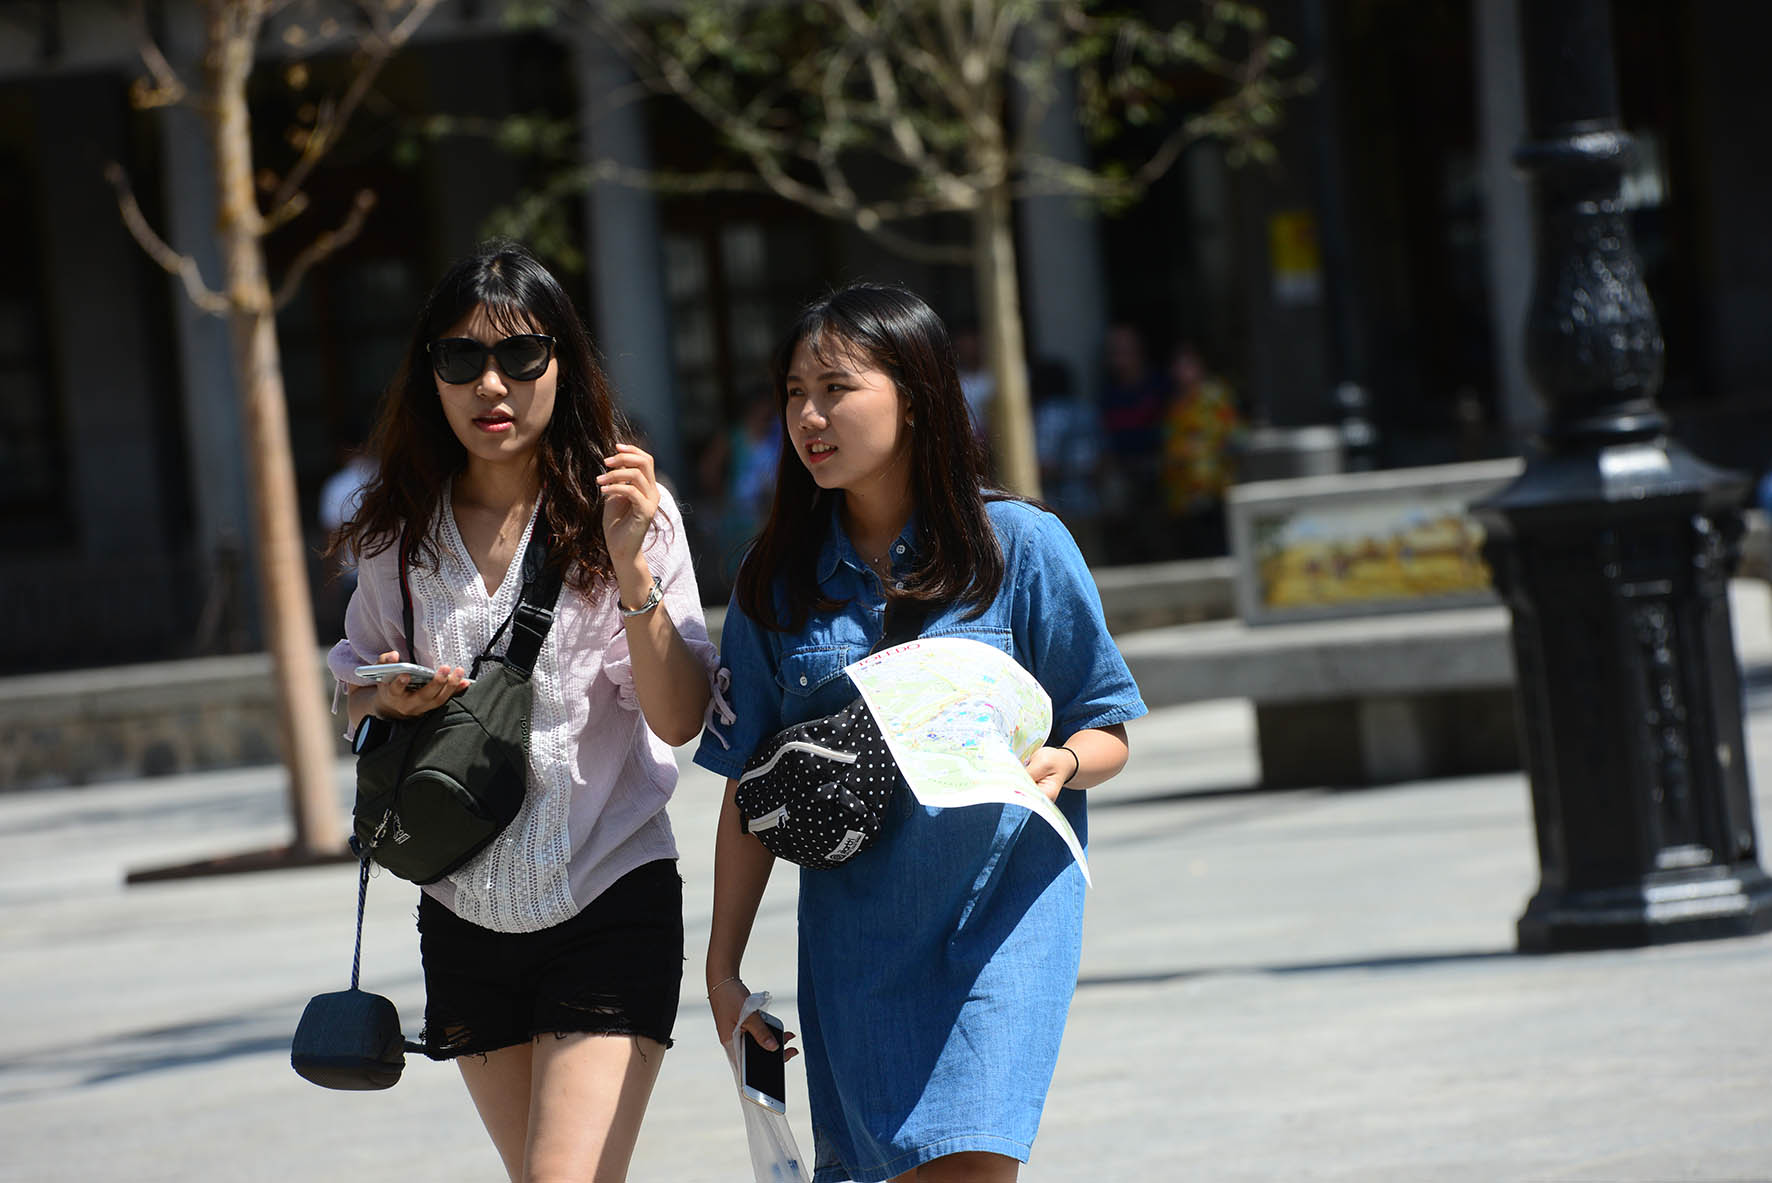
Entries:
{"x":1388,"y":249}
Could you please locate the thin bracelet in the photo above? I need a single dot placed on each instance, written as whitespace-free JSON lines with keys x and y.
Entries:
{"x":1074,"y":772}
{"x":718,"y":984}
{"x":654,"y":597}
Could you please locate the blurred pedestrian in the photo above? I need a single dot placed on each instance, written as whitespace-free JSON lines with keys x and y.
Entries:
{"x":1200,"y":430}
{"x":977,"y":382}
{"x":738,"y":472}
{"x":341,"y":494}
{"x":1132,"y":403}
{"x":553,"y":959}
{"x":1067,"y":439}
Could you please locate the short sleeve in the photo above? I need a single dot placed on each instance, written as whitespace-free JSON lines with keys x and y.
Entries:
{"x":747,"y":683}
{"x":1058,"y":616}
{"x":667,"y":555}
{"x":372,"y":618}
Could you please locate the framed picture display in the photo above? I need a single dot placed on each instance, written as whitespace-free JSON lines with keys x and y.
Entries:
{"x":1356,"y":544}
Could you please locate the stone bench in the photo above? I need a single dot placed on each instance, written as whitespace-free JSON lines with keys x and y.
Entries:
{"x":150,"y":719}
{"x":1367,"y":700}
{"x":1143,"y":596}
{"x":1376,"y":699}
{"x":1351,"y":701}
{"x":157,"y":718}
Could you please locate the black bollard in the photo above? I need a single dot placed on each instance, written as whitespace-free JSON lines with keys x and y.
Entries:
{"x":1614,"y":550}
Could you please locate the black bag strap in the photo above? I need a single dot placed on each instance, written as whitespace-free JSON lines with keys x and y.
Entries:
{"x":904,"y":622}
{"x":405,"y":603}
{"x":529,"y":621}
{"x":362,"y":853}
{"x":533,"y":616}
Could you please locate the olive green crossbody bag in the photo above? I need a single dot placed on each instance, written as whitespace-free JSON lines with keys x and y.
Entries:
{"x":433,"y":791}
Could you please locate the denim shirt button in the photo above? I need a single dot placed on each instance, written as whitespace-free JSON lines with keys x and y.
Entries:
{"x":802,"y":679}
{"x":900,"y":548}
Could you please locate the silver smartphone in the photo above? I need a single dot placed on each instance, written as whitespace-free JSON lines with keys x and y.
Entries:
{"x":762,"y":1075}
{"x":388,"y":671}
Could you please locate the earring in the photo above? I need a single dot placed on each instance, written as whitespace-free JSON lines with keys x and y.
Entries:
{"x":909,"y":422}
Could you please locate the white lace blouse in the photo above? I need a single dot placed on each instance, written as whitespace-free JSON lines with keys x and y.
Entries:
{"x":598,"y":777}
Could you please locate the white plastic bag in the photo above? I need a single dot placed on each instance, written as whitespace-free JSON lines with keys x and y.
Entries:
{"x":774,"y":1156}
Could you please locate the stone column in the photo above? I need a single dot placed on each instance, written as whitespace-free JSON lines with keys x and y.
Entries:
{"x":209,"y":393}
{"x":626,"y":261}
{"x":1064,"y":294}
{"x":95,"y":314}
{"x":1501,"y":102}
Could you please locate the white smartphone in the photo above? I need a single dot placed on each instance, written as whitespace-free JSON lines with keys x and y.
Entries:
{"x":762,"y":1075}
{"x":388,"y":671}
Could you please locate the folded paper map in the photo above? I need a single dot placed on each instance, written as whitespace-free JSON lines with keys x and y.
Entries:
{"x":960,"y":717}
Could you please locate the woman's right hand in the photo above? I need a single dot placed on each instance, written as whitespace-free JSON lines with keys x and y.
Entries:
{"x":726,"y":1000}
{"x":400,"y":699}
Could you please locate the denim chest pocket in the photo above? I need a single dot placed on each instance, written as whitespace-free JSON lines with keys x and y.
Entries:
{"x":965,"y":630}
{"x":804,"y":672}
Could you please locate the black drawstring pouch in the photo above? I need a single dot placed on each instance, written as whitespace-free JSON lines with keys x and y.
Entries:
{"x":350,"y":1039}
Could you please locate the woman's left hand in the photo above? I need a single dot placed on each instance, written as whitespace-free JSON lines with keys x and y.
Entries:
{"x":630,"y":498}
{"x":1051,"y":768}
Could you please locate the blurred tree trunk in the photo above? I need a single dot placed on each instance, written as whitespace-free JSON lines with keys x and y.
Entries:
{"x":999,"y":302}
{"x":308,"y":746}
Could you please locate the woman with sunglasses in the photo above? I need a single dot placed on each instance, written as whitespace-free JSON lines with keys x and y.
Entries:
{"x":553,"y":959}
{"x":935,"y":967}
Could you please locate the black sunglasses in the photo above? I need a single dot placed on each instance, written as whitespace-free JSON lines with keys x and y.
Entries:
{"x":523,"y":358}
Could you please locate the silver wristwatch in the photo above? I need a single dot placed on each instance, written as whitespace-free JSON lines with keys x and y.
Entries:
{"x":654,"y":598}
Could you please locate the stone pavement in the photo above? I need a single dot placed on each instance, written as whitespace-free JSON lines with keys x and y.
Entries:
{"x":1276,"y":985}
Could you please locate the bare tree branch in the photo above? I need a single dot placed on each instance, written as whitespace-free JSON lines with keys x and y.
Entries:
{"x":921,"y":84}
{"x":381,"y":45}
{"x":872,"y":220}
{"x":167,"y":88}
{"x":903,"y":131}
{"x":828,"y":146}
{"x":182,"y":266}
{"x":680,"y":184}
{"x":920,"y":251}
{"x":817,"y":95}
{"x":933,"y":58}
{"x":953,"y":31}
{"x":285,"y":213}
{"x":322,"y":246}
{"x":664,"y":72}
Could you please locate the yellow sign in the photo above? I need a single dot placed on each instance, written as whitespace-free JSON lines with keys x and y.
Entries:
{"x":1293,"y":256}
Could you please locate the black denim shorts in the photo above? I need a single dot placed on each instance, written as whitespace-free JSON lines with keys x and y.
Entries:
{"x":614,"y":969}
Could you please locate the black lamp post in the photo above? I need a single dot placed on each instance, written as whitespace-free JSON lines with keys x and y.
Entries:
{"x":1614,"y":550}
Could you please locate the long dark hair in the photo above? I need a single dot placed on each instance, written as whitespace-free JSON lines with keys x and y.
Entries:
{"x":416,"y":452}
{"x":958,"y":561}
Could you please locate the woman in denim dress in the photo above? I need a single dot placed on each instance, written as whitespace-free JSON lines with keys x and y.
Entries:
{"x":937,"y":966}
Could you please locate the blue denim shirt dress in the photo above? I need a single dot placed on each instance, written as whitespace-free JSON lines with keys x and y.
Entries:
{"x":936,"y":967}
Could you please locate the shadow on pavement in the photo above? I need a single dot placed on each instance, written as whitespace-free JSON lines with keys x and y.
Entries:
{"x":1206,"y":793}
{"x":128,"y":1054}
{"x":1400,"y":961}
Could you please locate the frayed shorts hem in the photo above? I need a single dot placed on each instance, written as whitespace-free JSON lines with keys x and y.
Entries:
{"x":616,"y":968}
{"x":443,"y":1053}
